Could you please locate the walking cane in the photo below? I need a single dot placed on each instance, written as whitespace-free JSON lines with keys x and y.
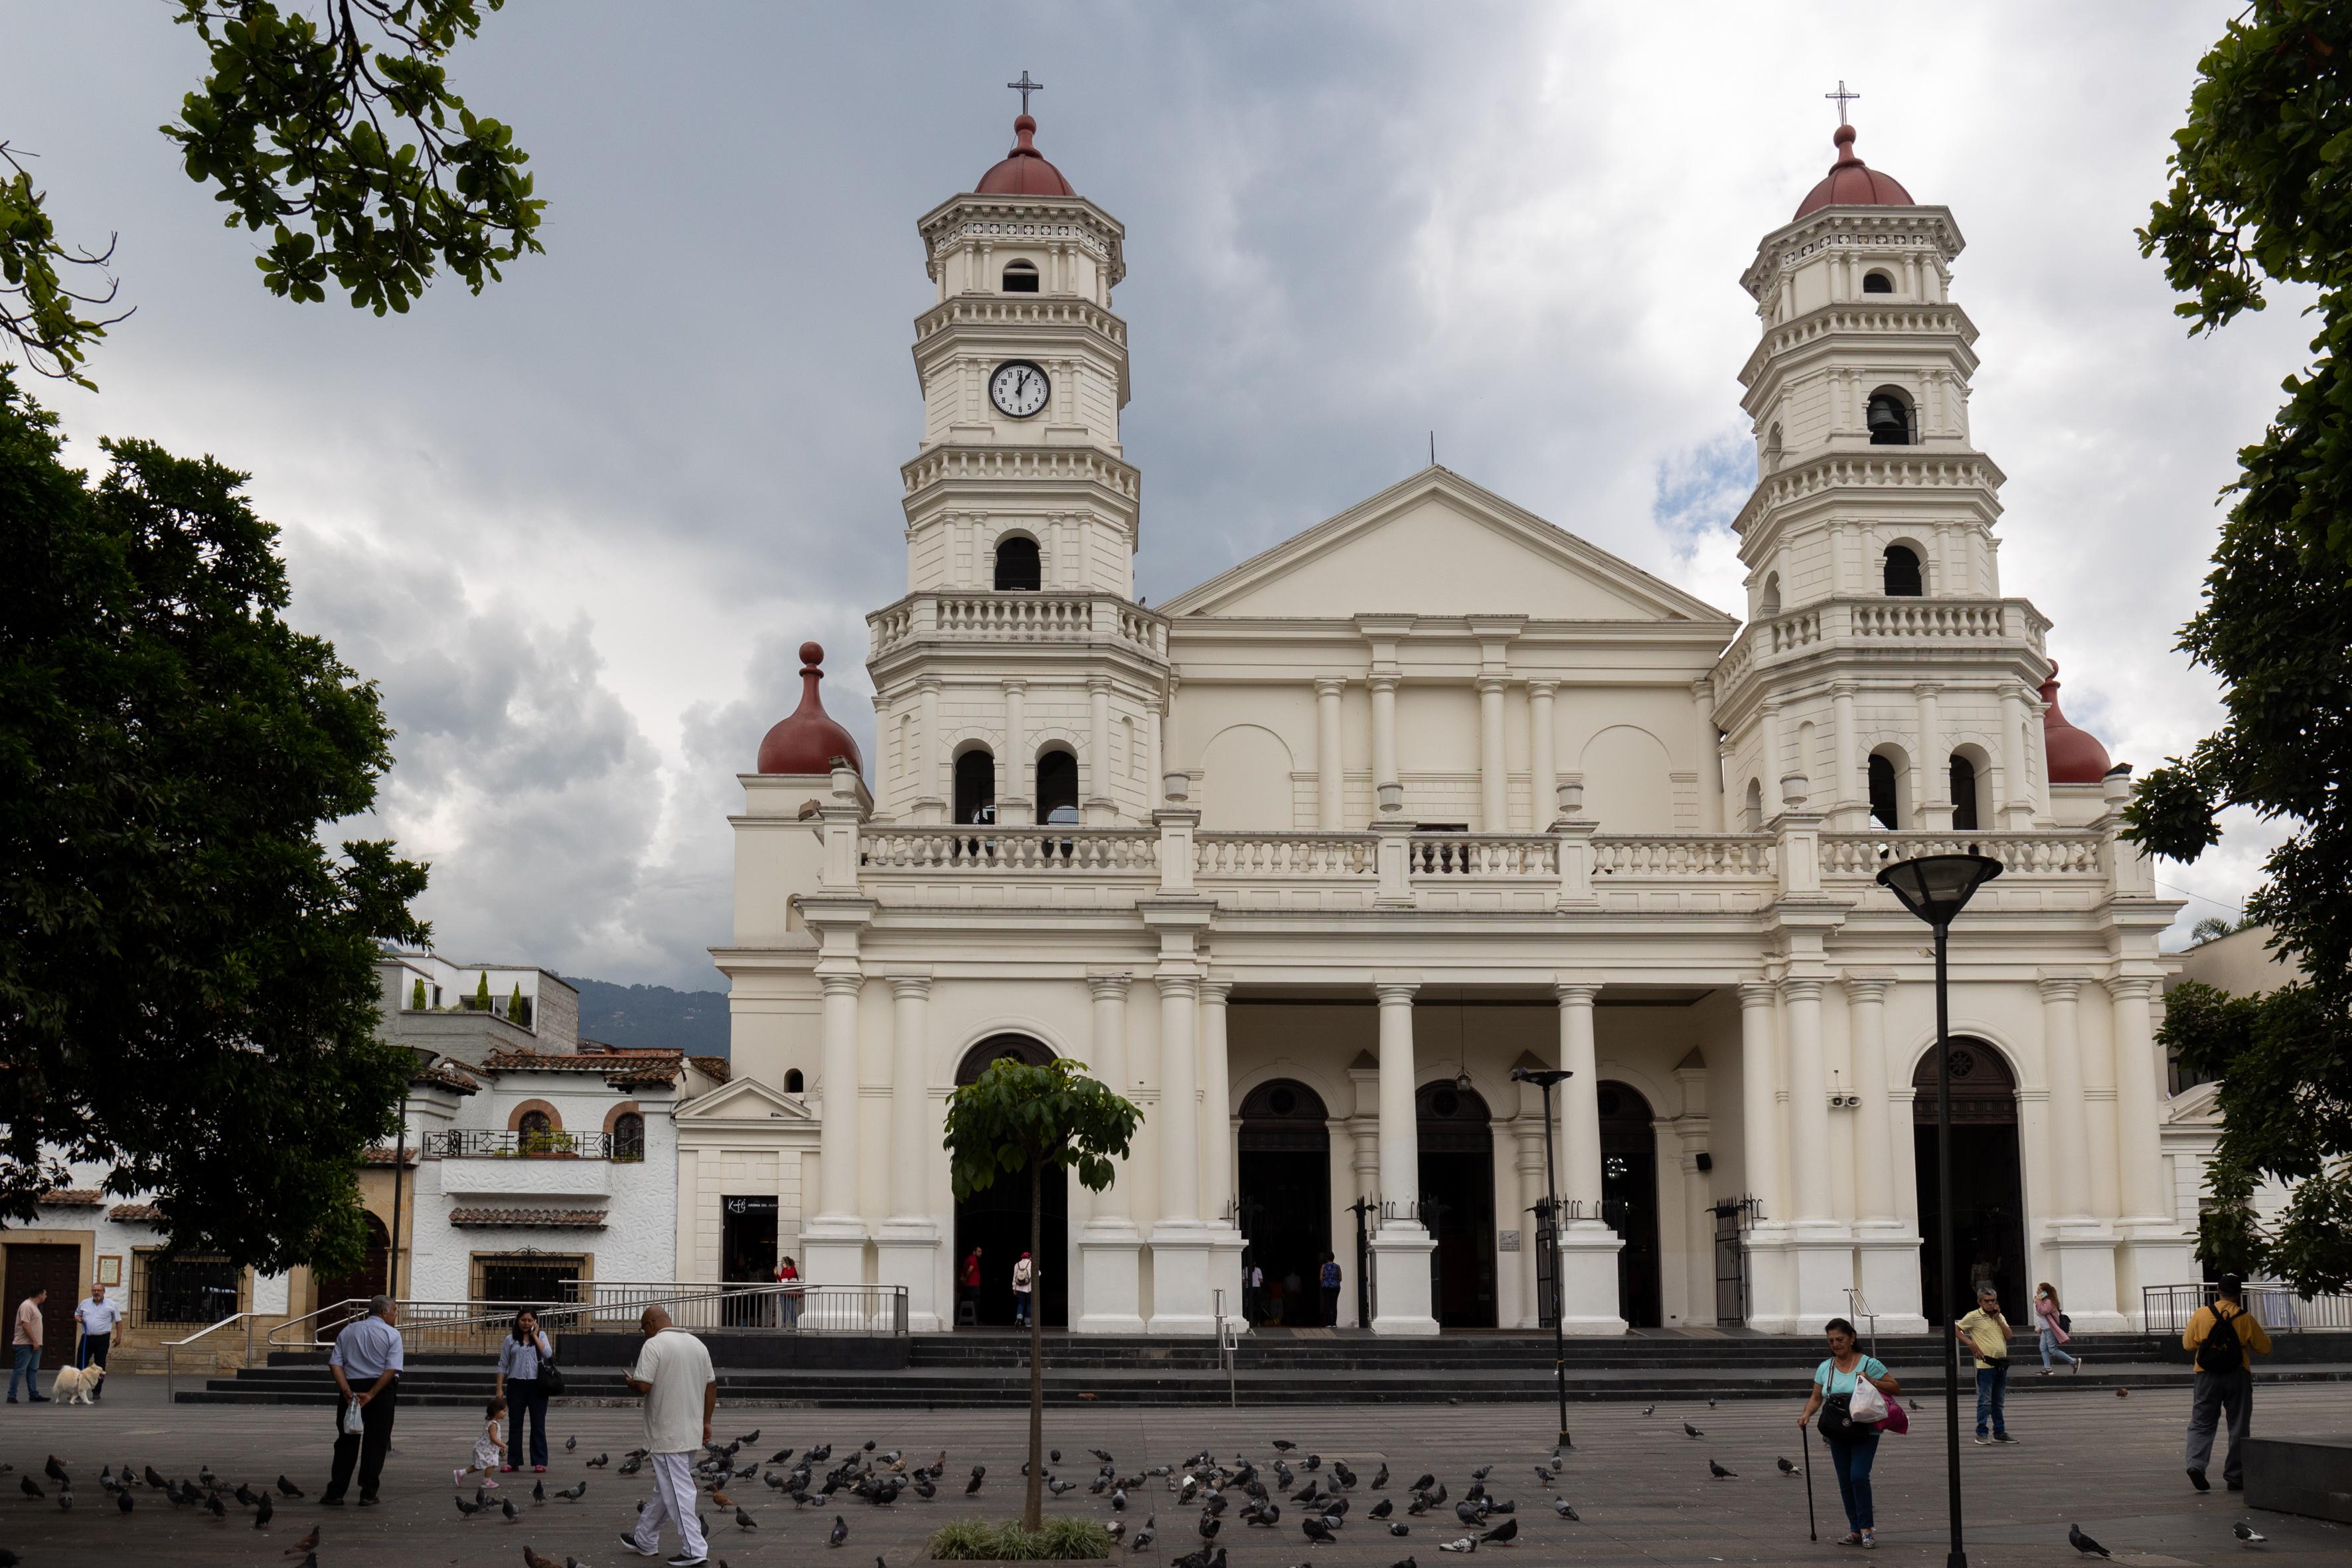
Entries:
{"x":1805,"y":1446}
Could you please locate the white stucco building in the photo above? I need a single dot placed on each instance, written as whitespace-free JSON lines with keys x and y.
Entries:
{"x":1308,"y":858}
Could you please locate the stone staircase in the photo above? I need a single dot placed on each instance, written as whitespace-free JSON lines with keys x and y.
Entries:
{"x":989,"y":1369}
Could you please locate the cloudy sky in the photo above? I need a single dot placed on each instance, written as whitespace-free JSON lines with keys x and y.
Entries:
{"x":575,"y":525}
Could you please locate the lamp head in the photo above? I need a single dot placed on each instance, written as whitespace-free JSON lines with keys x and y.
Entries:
{"x":1543,"y":1077}
{"x":1936,"y":888}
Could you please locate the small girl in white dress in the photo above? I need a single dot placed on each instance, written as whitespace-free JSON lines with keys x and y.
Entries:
{"x":489,"y":1449}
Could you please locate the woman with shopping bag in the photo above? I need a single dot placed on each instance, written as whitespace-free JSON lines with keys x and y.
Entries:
{"x":1853,"y":1393}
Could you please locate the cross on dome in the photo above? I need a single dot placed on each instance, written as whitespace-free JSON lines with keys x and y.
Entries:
{"x":1025,"y":86}
{"x":1842,"y":97}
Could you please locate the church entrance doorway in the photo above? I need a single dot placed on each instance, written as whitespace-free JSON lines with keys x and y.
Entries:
{"x":997,"y":1221}
{"x":1285,"y":1201}
{"x":1988,"y":1184}
{"x":1457,"y":1203}
{"x":1629,"y":1199}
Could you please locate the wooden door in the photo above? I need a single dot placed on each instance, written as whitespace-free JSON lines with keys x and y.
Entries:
{"x":59,"y":1269}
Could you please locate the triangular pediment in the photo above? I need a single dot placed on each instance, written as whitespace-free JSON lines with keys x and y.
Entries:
{"x":745,"y":1098}
{"x":1436,"y":544}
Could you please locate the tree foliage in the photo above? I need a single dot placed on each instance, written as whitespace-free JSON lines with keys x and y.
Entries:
{"x":2260,"y":197}
{"x":187,"y":986}
{"x":1014,"y":1118}
{"x":338,"y":135}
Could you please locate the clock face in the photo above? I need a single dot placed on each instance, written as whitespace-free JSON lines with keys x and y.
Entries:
{"x":1018,"y":388}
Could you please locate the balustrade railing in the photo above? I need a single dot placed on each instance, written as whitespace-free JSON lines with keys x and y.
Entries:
{"x":2059,"y":854}
{"x":1926,"y":618}
{"x":993,"y":849}
{"x":1481,"y":855}
{"x":1280,"y":857}
{"x":1729,"y":856}
{"x":2167,"y":1309}
{"x":1019,"y":616}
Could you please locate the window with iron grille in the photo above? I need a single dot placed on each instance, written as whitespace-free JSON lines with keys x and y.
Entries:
{"x":185,"y":1288}
{"x":629,"y":1136}
{"x":529,"y":1277}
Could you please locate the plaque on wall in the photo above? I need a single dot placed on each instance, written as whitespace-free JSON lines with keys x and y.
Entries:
{"x":1510,"y":1241}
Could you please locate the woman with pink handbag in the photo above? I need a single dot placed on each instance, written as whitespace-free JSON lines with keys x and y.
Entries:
{"x":1854,"y":1393}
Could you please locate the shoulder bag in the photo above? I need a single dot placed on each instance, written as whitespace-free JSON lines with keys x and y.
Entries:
{"x":551,"y":1376}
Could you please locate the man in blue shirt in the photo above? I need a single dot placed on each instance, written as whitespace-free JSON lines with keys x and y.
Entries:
{"x":367,"y":1354}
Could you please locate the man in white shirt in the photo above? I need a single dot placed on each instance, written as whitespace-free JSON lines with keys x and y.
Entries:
{"x":101,"y":1330}
{"x":673,"y":1372}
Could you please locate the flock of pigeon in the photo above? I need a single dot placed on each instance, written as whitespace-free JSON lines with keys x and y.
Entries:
{"x":1255,"y":1496}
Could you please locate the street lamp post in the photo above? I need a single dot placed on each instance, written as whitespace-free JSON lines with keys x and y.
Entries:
{"x":1545,"y":1078}
{"x":1936,"y":887}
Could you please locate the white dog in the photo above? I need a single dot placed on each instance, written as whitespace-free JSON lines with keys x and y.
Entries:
{"x":76,"y":1384}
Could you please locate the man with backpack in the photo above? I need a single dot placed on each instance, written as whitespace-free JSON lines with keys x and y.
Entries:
{"x":2223,"y":1337}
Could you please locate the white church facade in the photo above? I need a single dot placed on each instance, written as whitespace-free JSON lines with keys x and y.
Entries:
{"x":1307,"y":859}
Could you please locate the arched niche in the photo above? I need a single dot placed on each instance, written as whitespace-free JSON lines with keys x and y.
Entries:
{"x":997,"y":1220}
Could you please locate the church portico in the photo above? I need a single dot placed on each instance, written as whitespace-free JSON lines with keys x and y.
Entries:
{"x":1307,"y":876}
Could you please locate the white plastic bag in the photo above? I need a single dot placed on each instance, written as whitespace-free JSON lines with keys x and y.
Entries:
{"x":1868,"y":1406}
{"x":353,"y":1425}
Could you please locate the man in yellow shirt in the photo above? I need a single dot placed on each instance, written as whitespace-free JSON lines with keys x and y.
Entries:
{"x":1986,"y":1333}
{"x":2224,"y":1338}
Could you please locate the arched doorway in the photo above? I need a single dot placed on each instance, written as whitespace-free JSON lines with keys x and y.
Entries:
{"x":371,"y":1279}
{"x":997,"y":1221}
{"x":1458,"y":1202}
{"x":1285,"y":1199}
{"x":1988,"y":1184}
{"x":1629,"y":1199}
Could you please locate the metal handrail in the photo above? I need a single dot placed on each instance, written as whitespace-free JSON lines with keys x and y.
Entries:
{"x":767,"y":1304}
{"x":172,"y":1345}
{"x":1859,"y":1306}
{"x":2167,"y":1309}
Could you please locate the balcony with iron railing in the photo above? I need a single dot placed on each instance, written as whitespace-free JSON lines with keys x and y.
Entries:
{"x":487,"y":1143}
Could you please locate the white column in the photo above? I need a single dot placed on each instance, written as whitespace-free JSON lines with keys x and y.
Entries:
{"x":1216,"y":1107}
{"x":1873,"y":1138}
{"x":1709,"y":752}
{"x":2138,"y":1148}
{"x":935,"y":788}
{"x":1767,"y":730}
{"x":1384,"y":736}
{"x":1180,"y":1122}
{"x":2070,"y":1131}
{"x":1013,"y":799}
{"x":1163,"y":741}
{"x":834,"y":1237}
{"x":1935,"y":769}
{"x":1110,"y":1248}
{"x":2017,"y":774}
{"x":1580,"y":1099}
{"x":1759,"y":1097}
{"x":1543,"y":756}
{"x":1529,"y":1162}
{"x":1851,"y":788}
{"x":1401,"y":1248}
{"x":1098,"y":770}
{"x":1809,"y":1102}
{"x":1330,"y":763}
{"x":906,"y":1243}
{"x":1493,"y":778}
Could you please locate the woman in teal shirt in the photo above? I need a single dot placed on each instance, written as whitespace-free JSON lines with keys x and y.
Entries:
{"x":1853,"y":1449}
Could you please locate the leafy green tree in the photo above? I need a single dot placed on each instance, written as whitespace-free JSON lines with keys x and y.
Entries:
{"x":187,"y":983}
{"x":416,"y":997}
{"x":2260,"y":198}
{"x":340,"y":135}
{"x":1016,"y":1118}
{"x":514,"y":1004}
{"x":482,"y":993}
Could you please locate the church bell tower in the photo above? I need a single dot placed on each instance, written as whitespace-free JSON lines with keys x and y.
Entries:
{"x":1017,"y":681}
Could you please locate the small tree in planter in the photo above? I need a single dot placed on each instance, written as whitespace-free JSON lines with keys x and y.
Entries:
{"x":482,"y":993}
{"x":416,"y":997}
{"x":1015,"y":1117}
{"x":515,"y":1005}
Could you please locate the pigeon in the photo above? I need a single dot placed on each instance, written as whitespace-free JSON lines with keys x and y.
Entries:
{"x":1098,"y":1454}
{"x":307,"y":1543}
{"x":1380,"y":1481}
{"x":1314,"y":1530}
{"x":154,"y":1477}
{"x":2084,"y":1543}
{"x":1691,"y":1431}
{"x":1284,"y":1444}
{"x":1142,"y":1537}
{"x":2120,"y":1394}
{"x":65,"y":1500}
{"x":744,"y":1521}
{"x":1118,"y":1500}
{"x":262,"y":1510}
{"x":840,"y":1531}
{"x":978,"y":1471}
{"x":753,"y":1437}
{"x":570,"y":1443}
{"x":600,"y":1461}
{"x":1117,"y":1528}
{"x":2246,"y":1533}
{"x":1710,"y":1404}
{"x":54,"y":1470}
{"x":122,"y":1500}
{"x":244,"y":1494}
{"x":1463,"y":1543}
{"x":1314,"y":1461}
{"x":1566,"y":1510}
{"x":531,"y":1559}
{"x":780,"y":1455}
{"x":1400,"y":1530}
{"x":218,"y":1509}
{"x":1210,"y":1525}
{"x":1423,"y":1484}
{"x":1719,"y":1473}
{"x":1502,"y":1534}
{"x":31,"y":1487}
{"x":1054,"y":1454}
{"x":507,"y":1507}
{"x":1059,"y":1486}
{"x":467,"y":1509}
{"x":1383,"y":1507}
{"x":539,"y":1494}
{"x":1787,"y":1468}
{"x":573,"y":1493}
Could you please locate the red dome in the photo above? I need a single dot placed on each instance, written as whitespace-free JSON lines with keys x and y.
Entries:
{"x":808,"y":741}
{"x":1851,"y":182}
{"x":1024,"y":172}
{"x":2075,"y":755}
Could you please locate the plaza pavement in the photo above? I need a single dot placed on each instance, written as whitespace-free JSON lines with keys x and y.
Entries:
{"x":1642,"y":1488}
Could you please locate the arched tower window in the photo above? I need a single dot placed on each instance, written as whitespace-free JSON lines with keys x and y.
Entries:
{"x":794,"y":1083}
{"x":1017,"y":566}
{"x":1771,"y":602}
{"x":1873,"y":282}
{"x":1020,"y":277}
{"x":1882,"y":793}
{"x":1772,"y":450}
{"x":1889,"y":419}
{"x":1964,"y":794}
{"x":1754,"y":807}
{"x":1902,"y":573}
{"x":975,"y":786}
{"x":1057,"y":788}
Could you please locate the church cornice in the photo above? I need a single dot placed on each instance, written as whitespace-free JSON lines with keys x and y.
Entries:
{"x":1874,"y":228}
{"x":1851,"y":326}
{"x":949,"y":465}
{"x":1874,"y":473}
{"x":973,"y":219}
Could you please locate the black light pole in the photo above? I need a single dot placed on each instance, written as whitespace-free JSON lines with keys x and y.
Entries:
{"x":1936,"y":887}
{"x":1545,"y":1078}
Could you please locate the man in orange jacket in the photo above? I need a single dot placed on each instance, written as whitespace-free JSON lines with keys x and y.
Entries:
{"x":2224,"y":1338}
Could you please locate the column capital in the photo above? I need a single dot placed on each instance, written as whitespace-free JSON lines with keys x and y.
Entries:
{"x":1380,"y":682}
{"x":1757,"y":993}
{"x":1542,"y":687}
{"x":1330,"y":685}
{"x":910,"y":983}
{"x":1927,"y":687}
{"x":1109,"y":985}
{"x":1575,"y":993}
{"x":1101,"y":685}
{"x":1392,"y":992}
{"x":2058,"y":986}
{"x":929,"y":683}
{"x":1178,"y":985}
{"x":2130,"y":987}
{"x":1845,"y":687}
{"x":1495,"y":684}
{"x":841,"y":985}
{"x":1805,"y":989}
{"x":1866,"y":987}
{"x":1703,"y":688}
{"x":1214,"y":991}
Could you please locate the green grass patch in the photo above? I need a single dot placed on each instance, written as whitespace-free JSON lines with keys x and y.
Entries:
{"x":982,"y":1541}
